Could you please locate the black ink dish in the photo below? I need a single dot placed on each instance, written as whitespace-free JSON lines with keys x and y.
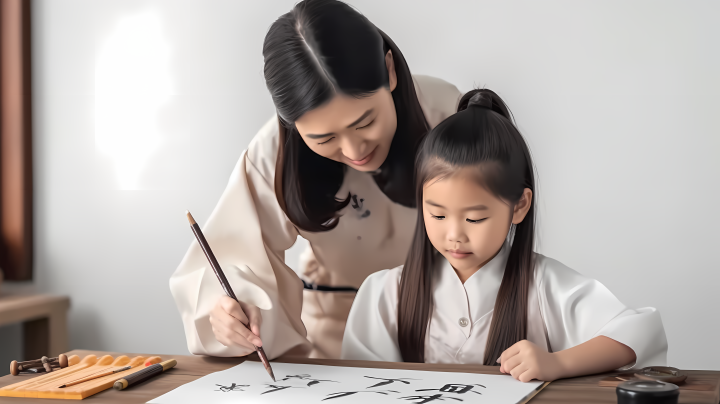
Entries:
{"x":644,"y":391}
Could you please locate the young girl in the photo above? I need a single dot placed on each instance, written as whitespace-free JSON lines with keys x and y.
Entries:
{"x":472,"y":290}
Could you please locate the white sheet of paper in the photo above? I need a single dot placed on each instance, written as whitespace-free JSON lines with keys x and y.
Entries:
{"x":297,"y":383}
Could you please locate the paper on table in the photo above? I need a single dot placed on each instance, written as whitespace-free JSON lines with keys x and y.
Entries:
{"x":297,"y":383}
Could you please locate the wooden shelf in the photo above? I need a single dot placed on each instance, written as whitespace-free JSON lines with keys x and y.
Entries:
{"x":44,"y":319}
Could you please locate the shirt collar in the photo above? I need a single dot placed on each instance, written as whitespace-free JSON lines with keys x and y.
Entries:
{"x":476,"y":297}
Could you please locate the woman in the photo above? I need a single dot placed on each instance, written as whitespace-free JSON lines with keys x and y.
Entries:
{"x":335,"y":167}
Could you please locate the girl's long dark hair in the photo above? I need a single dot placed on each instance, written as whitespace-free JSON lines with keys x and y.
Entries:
{"x":319,"y":49}
{"x":481,"y":135}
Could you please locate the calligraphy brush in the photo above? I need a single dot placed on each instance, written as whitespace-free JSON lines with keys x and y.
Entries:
{"x":95,"y":376}
{"x":223,"y":281}
{"x":144,"y":374}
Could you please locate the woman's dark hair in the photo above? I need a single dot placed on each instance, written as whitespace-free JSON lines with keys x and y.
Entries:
{"x":481,"y":135}
{"x":319,"y":49}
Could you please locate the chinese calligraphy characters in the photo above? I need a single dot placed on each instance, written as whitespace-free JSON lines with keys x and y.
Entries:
{"x":232,"y":387}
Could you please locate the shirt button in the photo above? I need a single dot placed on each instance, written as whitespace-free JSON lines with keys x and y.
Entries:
{"x":463,"y":322}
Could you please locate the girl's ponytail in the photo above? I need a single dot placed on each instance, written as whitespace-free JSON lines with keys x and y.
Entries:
{"x":485,"y":98}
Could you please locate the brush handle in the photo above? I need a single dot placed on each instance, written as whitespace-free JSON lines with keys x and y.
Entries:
{"x":96,"y":376}
{"x":224,"y":282}
{"x":142,"y":375}
{"x":213,"y":261}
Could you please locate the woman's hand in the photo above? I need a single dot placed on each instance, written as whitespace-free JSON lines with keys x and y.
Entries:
{"x":526,"y":361}
{"x":236,"y":323}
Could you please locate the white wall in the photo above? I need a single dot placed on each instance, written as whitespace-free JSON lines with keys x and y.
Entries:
{"x":617,"y":99}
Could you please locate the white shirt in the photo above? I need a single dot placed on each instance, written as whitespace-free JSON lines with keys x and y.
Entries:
{"x":565,"y":309}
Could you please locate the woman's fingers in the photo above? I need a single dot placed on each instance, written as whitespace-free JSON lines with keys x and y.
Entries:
{"x":233,"y":308}
{"x":232,"y":322}
{"x":254,"y":319}
{"x":227,"y":336}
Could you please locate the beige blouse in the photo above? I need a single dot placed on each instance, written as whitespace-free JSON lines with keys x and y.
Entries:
{"x":249,"y":233}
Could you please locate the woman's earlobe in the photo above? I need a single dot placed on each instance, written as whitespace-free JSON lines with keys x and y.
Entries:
{"x":390,"y":64}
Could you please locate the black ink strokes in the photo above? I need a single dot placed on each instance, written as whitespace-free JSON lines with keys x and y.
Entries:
{"x":316,"y":381}
{"x":357,"y":204}
{"x":428,"y":399}
{"x":273,"y":388}
{"x":450,"y":392}
{"x":232,"y":387}
{"x":456,"y":388}
{"x":385,"y":382}
{"x":350,"y":393}
{"x":305,"y":377}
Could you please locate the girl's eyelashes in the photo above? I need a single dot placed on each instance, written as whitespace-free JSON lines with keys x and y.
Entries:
{"x":327,"y":140}
{"x":467,"y":220}
{"x":365,"y":125}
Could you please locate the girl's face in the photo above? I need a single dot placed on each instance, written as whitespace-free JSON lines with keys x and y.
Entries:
{"x":354,"y":131}
{"x":467,"y":223}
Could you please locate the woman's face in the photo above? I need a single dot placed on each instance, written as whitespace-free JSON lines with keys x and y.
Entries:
{"x":353,"y":131}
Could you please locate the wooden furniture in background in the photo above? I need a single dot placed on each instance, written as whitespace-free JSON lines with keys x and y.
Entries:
{"x":16,"y":197}
{"x":44,"y":319}
{"x":577,"y":390}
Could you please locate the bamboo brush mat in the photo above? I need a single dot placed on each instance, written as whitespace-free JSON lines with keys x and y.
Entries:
{"x":47,"y":385}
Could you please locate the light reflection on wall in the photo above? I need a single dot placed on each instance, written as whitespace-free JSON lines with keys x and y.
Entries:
{"x":132,"y":83}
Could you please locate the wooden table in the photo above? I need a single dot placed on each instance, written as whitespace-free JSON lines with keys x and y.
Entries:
{"x":189,"y":368}
{"x":44,"y":319}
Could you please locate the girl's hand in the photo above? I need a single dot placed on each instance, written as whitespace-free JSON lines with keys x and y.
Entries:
{"x":236,"y":323}
{"x":526,"y":361}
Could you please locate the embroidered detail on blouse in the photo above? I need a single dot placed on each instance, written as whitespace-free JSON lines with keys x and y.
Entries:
{"x":357,"y":204}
